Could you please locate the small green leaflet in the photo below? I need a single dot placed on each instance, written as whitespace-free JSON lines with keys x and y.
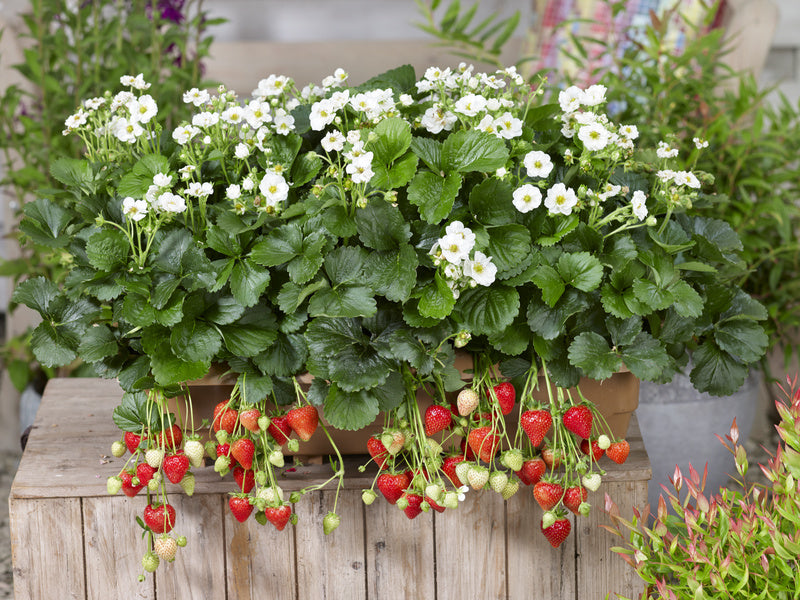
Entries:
{"x":434,"y":194}
{"x":473,"y":150}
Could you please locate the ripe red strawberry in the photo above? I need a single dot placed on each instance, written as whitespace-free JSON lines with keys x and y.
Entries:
{"x":226,"y":419}
{"x":557,"y":532}
{"x":578,"y":420}
{"x":536,"y":424}
{"x":303,"y":420}
{"x":484,"y":443}
{"x":243,"y":450}
{"x":412,"y":510}
{"x":597,"y":451}
{"x":449,"y":467}
{"x":240,"y":507}
{"x":377,"y":451}
{"x":466,"y":451}
{"x":249,"y":419}
{"x":392,"y":485}
{"x":574,"y":496}
{"x":279,"y":429}
{"x":160,"y":518}
{"x":278,"y":516}
{"x":506,"y":396}
{"x":245,"y":479}
{"x":532,"y":471}
{"x":175,"y":466}
{"x":144,"y":472}
{"x":618,"y":451}
{"x":171,"y":437}
{"x":132,"y":441}
{"x":438,"y":508}
{"x":437,"y":418}
{"x":547,"y":494}
{"x":552,"y":457}
{"x":127,"y":487}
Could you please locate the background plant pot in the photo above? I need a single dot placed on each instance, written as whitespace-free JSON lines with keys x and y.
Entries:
{"x":678,"y":424}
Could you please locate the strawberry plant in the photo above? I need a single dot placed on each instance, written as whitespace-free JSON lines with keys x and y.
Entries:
{"x":739,"y":543}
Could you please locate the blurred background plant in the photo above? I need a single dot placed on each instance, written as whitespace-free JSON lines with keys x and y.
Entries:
{"x":669,"y":73}
{"x":74,"y":50}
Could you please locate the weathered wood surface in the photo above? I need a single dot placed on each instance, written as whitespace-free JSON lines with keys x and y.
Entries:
{"x":488,"y":548}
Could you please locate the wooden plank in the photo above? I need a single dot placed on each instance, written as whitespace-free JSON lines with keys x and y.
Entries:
{"x":400,"y":553}
{"x":47,"y":549}
{"x":471,"y":549}
{"x":260,"y":560}
{"x":637,"y":467}
{"x":600,"y":571}
{"x":198,"y":571}
{"x":332,"y":566}
{"x":554,"y":572}
{"x":114,"y":547}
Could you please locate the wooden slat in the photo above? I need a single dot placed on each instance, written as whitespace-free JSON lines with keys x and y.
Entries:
{"x":637,"y":467}
{"x":198,"y":571}
{"x":470,"y":549}
{"x":599,"y":570}
{"x":114,"y":547}
{"x":554,"y":572}
{"x":47,"y":549}
{"x":400,"y":553}
{"x":260,"y":560}
{"x":333,"y":566}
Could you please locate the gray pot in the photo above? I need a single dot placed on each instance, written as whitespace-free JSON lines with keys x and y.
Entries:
{"x":678,"y":424}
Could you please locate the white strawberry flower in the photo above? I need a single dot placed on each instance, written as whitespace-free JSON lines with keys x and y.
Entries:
{"x":135,"y":210}
{"x":470,"y":105}
{"x":480,"y":269}
{"x":594,"y":136}
{"x":241,"y":151}
{"x":630,"y":132}
{"x":570,"y":99}
{"x":322,"y":114}
{"x":455,"y":248}
{"x":196,"y":97}
{"x":274,"y":188}
{"x":508,"y":126}
{"x":125,"y":130}
{"x":638,"y":205}
{"x":537,"y":164}
{"x":143,"y":108}
{"x":162,"y":180}
{"x":171,"y":203}
{"x":184,"y":133}
{"x":560,"y":199}
{"x":333,"y":141}
{"x":274,"y":85}
{"x":594,"y":95}
{"x":283,"y":122}
{"x":527,"y":197}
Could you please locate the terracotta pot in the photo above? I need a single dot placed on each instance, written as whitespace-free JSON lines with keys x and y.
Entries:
{"x":616,"y":398}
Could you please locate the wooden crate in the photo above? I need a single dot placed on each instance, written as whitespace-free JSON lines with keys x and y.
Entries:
{"x":70,"y":539}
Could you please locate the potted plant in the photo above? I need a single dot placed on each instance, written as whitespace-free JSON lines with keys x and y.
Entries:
{"x":740,"y":542}
{"x":362,"y":235}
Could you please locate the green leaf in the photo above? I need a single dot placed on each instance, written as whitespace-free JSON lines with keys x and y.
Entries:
{"x":491,"y":202}
{"x":434,"y":194}
{"x":131,"y":413}
{"x":646,"y":357}
{"x":53,"y":346}
{"x":590,"y":352}
{"x":292,"y":295}
{"x":72,"y":172}
{"x":194,"y":341}
{"x":37,"y":293}
{"x":550,"y":322}
{"x":305,"y":168}
{"x":392,"y":273}
{"x":285,"y":357}
{"x":45,"y":223}
{"x":742,"y":338}
{"x":718,"y":233}
{"x":429,"y":151}
{"x":400,"y":79}
{"x":339,"y":222}
{"x":350,"y":411}
{"x":381,"y":226}
{"x":437,"y":299}
{"x":281,"y":246}
{"x":252,"y":334}
{"x":345,"y":264}
{"x":556,"y":229}
{"x":580,"y":270}
{"x":622,"y":252}
{"x":137,"y":311}
{"x":343,"y":301}
{"x":97,"y":343}
{"x":391,"y":139}
{"x":178,"y":254}
{"x":624,"y":331}
{"x":396,"y":176}
{"x":715,"y":371}
{"x":651,"y":295}
{"x":168,"y":369}
{"x":108,"y":250}
{"x":223,"y":241}
{"x":510,"y":248}
{"x":488,"y":310}
{"x":248,"y":282}
{"x":473,"y":150}
{"x":223,"y":310}
{"x":514,"y":340}
{"x":549,"y":281}
{"x":687,"y":302}
{"x":303,"y":268}
{"x":390,"y":393}
{"x":163,"y":290}
{"x":673,"y":239}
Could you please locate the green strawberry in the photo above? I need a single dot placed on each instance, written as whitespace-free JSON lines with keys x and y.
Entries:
{"x":477,"y":476}
{"x":150,"y":562}
{"x":498,"y":481}
{"x":330,"y":522}
{"x":113,"y":485}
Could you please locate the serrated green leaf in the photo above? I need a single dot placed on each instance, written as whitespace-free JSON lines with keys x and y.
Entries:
{"x":624,"y":331}
{"x":345,"y":264}
{"x":715,"y":371}
{"x":305,"y":168}
{"x":292,"y":296}
{"x":742,"y":338}
{"x":168,"y":369}
{"x":434,"y":195}
{"x":391,"y":139}
{"x":491,"y":203}
{"x":194,"y":341}
{"x":282,"y":245}
{"x":37,"y":293}
{"x":549,"y":322}
{"x":514,"y":340}
{"x":53,"y":346}
{"x":396,"y":176}
{"x":590,"y":352}
{"x":285,"y":357}
{"x":137,"y":311}
{"x":223,"y":241}
{"x":549,"y":281}
{"x":108,"y":250}
{"x":651,"y":295}
{"x":343,"y":301}
{"x":473,"y":150}
{"x":97,"y":343}
{"x":131,"y":413}
{"x":163,"y":290}
{"x":687,"y":302}
{"x":429,"y":151}
{"x":381,"y":226}
{"x":350,"y":411}
{"x":251,"y":334}
{"x":622,"y":251}
{"x":339,"y":222}
{"x":393,"y":273}
{"x":45,"y":223}
{"x":580,"y":270}
{"x":437,"y":299}
{"x":672,"y":239}
{"x":248,"y":282}
{"x":646,"y":357}
{"x":72,"y":172}
{"x":488,"y":310}
{"x":223,"y":310}
{"x":509,"y":246}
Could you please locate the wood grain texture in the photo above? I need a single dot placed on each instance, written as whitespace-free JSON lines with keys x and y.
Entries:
{"x":113,"y":548}
{"x":198,"y":571}
{"x":47,"y":549}
{"x":331,"y":566}
{"x":400,"y":553}
{"x":554,"y":572}
{"x":260,"y":560}
{"x":470,"y":549}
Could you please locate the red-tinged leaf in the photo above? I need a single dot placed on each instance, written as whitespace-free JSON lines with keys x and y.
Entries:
{"x":702,"y":502}
{"x":677,"y":479}
{"x":662,"y":508}
{"x":611,"y":508}
{"x":734,"y":432}
{"x":694,"y":476}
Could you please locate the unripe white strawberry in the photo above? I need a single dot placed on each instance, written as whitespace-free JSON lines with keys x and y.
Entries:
{"x":187,"y":483}
{"x":467,"y":401}
{"x":433,"y":447}
{"x":368,"y":497}
{"x":512,"y":459}
{"x":276,"y":458}
{"x":603,"y":442}
{"x":118,"y":449}
{"x":113,"y":485}
{"x":591,"y":482}
{"x":194,"y":451}
{"x":264,"y":422}
{"x":165,"y":547}
{"x":498,"y":481}
{"x":450,"y":500}
{"x":462,"y":469}
{"x":393,"y":441}
{"x":477,"y":476}
{"x":433,"y":491}
{"x":222,"y":464}
{"x":152,"y":485}
{"x":511,"y":488}
{"x":154,"y":457}
{"x":402,"y":503}
{"x":222,"y":436}
{"x":548,"y":519}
